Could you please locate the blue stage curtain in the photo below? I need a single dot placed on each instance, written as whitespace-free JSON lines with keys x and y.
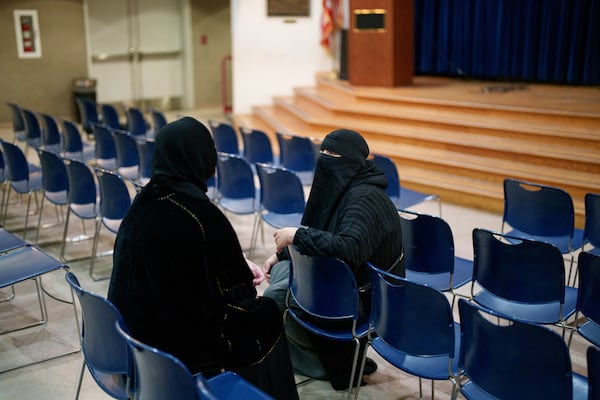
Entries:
{"x":554,"y":41}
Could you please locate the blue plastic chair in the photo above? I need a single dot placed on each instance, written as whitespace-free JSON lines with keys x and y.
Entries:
{"x":513,"y":360}
{"x":412,"y":327}
{"x":257,"y":146}
{"x":33,"y":131}
{"x":325,"y":288}
{"x":88,"y":111}
{"x":587,"y":315}
{"x":8,"y":242}
{"x":82,"y":204}
{"x":73,"y":145}
{"x":115,"y":200}
{"x":429,"y":256}
{"x":145,"y":148}
{"x":541,"y":212}
{"x":522,"y":279}
{"x":591,"y":231}
{"x":51,"y":137}
{"x":110,"y":116}
{"x":105,"y":354}
{"x":127,"y":156}
{"x":136,"y":123}
{"x":296,"y":153}
{"x":225,"y":137}
{"x":22,"y":178}
{"x":105,"y":148}
{"x":282,"y":199}
{"x":19,"y":265}
{"x":158,"y":119}
{"x":18,"y":125}
{"x":159,"y":375}
{"x":401,"y":196}
{"x":593,"y":367}
{"x":55,"y":185}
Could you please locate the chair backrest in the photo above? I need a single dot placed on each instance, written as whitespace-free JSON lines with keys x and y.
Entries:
{"x":158,"y":375}
{"x":51,"y":138}
{"x":54,"y":172}
{"x":591,"y":232}
{"x":520,"y":270}
{"x":72,"y":142}
{"x":296,"y":152}
{"x":110,"y":116}
{"x":18,"y":124}
{"x":281,"y":190}
{"x":88,"y":109}
{"x":387,"y":165}
{"x":104,"y":349}
{"x":126,"y":149}
{"x":33,"y":131}
{"x":235,"y":177}
{"x":114,"y":195}
{"x":16,"y":163}
{"x":136,"y":123}
{"x":82,"y":184}
{"x":537,"y":209}
{"x":104,"y":143}
{"x":428,"y":243}
{"x":588,"y":295}
{"x":324,"y":287}
{"x":145,"y":147}
{"x":593,"y":367}
{"x":225,"y":136}
{"x":158,"y":119}
{"x":515,"y":360}
{"x":257,"y":146}
{"x":415,"y":319}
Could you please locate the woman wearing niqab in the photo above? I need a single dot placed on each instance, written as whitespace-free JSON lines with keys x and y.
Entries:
{"x":181,"y":280}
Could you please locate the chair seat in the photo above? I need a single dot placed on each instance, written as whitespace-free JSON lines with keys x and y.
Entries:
{"x":239,"y":206}
{"x":9,"y":241}
{"x":229,"y":386}
{"x":410,"y":197}
{"x":33,"y":184}
{"x":591,"y":331}
{"x":107,"y":163}
{"x":282,"y":220}
{"x":85,"y":211}
{"x":131,"y":172}
{"x":431,"y":367}
{"x":25,"y":263}
{"x":463,"y":273}
{"x":60,"y":197}
{"x":562,"y":242}
{"x":541,"y":313}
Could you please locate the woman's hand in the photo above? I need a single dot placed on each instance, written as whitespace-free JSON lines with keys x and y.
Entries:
{"x":284,"y":237}
{"x":259,"y":276}
{"x":272,"y":260}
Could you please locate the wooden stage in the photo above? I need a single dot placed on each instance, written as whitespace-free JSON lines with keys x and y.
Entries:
{"x":457,"y":138}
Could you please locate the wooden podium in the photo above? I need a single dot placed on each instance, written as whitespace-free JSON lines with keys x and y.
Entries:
{"x":381,"y":42}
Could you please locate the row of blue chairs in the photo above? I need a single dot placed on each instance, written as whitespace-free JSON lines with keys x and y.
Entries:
{"x":298,"y":154}
{"x":412,"y":326}
{"x":126,"y":368}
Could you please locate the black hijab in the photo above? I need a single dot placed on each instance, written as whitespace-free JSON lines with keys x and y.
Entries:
{"x":333,"y":175}
{"x":185,"y":157}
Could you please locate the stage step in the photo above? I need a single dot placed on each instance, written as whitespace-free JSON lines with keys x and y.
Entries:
{"x":456,"y":138}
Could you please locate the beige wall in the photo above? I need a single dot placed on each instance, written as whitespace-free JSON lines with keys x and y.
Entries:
{"x":43,"y":84}
{"x":211,"y":19}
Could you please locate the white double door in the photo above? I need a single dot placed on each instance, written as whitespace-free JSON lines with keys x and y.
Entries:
{"x":137,"y":51}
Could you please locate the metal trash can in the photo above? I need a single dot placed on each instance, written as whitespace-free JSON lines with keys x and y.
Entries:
{"x":83,"y":88}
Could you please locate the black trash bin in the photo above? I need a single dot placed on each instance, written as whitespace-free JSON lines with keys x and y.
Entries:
{"x":83,"y":88}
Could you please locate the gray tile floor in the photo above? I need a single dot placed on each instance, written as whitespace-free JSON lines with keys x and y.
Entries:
{"x":57,"y":379}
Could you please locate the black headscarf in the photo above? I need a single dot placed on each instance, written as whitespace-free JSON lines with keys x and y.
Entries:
{"x":185,"y":157}
{"x":334,"y":174}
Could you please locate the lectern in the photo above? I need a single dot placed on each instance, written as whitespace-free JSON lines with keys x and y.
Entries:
{"x":381,"y":42}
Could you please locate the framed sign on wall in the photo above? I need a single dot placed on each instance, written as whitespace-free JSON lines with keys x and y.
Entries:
{"x":284,"y":8}
{"x":28,"y":34}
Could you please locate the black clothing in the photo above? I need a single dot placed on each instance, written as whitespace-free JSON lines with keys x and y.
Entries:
{"x":178,"y":264}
